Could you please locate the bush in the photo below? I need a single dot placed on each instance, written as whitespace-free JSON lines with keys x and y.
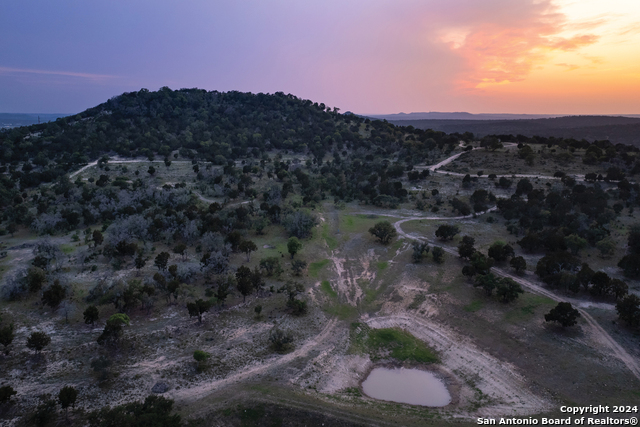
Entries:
{"x":298,"y":307}
{"x":300,"y":223}
{"x":384,"y":231}
{"x":447,"y":232}
{"x":438,"y":254}
{"x":629,"y":310}
{"x":5,"y":393}
{"x":281,"y":341}
{"x":154,"y":411}
{"x":564,"y":314}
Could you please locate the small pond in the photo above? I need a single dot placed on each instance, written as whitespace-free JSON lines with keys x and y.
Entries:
{"x":411,"y":386}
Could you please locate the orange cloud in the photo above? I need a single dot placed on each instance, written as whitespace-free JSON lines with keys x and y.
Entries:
{"x":507,"y":50}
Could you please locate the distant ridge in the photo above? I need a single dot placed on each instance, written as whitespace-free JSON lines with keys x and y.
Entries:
{"x":617,"y":129}
{"x":13,"y":120}
{"x":434,"y":115}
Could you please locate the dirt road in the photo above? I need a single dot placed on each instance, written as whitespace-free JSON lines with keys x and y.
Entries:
{"x":601,"y":335}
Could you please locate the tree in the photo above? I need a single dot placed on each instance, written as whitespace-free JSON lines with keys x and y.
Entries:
{"x":550,"y":266}
{"x":293,"y":289}
{"x":420,"y":250}
{"x":161,"y":260}
{"x":67,"y":397}
{"x":575,"y":243}
{"x":44,"y":413}
{"x":481,"y":263}
{"x":300,"y":223}
{"x":201,"y":358}
{"x":630,"y":265}
{"x":244,"y":281}
{"x":293,"y":246}
{"x":524,"y":186}
{"x":601,"y":283}
{"x":465,"y":248}
{"x":618,"y":288}
{"x":519,"y":264}
{"x":530,"y":243}
{"x":491,"y":143}
{"x":585,"y":275}
{"x":54,"y":295}
{"x":280,"y":340}
{"x":488,"y":282}
{"x":438,"y":254}
{"x":564,"y":314}
{"x":500,"y":251}
{"x":256,"y":280}
{"x":151,"y":170}
{"x":508,"y":290}
{"x":234,"y":239}
{"x":154,"y":411}
{"x":447,"y":231}
{"x":198,"y":308}
{"x":468,"y":271}
{"x":271,"y":266}
{"x":298,"y":266}
{"x":180,"y":249}
{"x":37,"y":341}
{"x":98,"y":238}
{"x":629,"y":310}
{"x":247,"y":246}
{"x":6,"y":392}
{"x":91,"y":315}
{"x":223,"y":289}
{"x":139,"y":262}
{"x":113,"y":329}
{"x":384,"y":231}
{"x":12,"y":228}
{"x":35,"y":279}
{"x":6,"y":337}
{"x":607,"y":247}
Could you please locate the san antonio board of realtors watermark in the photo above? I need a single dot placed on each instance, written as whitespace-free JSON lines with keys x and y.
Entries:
{"x":578,"y":415}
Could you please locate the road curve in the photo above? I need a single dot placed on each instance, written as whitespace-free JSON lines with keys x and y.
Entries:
{"x":617,"y":350}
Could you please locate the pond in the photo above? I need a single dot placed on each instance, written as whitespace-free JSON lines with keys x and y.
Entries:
{"x":411,"y":386}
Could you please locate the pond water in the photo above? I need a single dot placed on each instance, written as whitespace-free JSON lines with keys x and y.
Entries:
{"x":411,"y":386}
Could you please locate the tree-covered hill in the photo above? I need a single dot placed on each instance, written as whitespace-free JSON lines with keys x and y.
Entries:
{"x":218,"y":125}
{"x":213,"y":126}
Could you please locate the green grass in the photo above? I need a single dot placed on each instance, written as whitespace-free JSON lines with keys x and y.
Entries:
{"x":382,"y":265}
{"x":474,"y":306}
{"x":417,"y":301}
{"x":356,"y":223}
{"x":527,"y":306}
{"x":401,"y":344}
{"x":332,"y":242}
{"x":67,"y":249}
{"x":370,"y":295}
{"x":397,"y":244}
{"x":325,"y":286}
{"x":251,"y":416}
{"x":315,"y":267}
{"x":342,"y":311}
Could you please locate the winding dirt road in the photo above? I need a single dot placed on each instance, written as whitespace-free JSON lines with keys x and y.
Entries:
{"x":602,"y":335}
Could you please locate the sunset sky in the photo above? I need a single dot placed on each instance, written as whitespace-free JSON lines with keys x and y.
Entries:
{"x":366,"y":56}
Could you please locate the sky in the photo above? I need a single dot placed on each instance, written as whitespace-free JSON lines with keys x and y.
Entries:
{"x":364,"y":56}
